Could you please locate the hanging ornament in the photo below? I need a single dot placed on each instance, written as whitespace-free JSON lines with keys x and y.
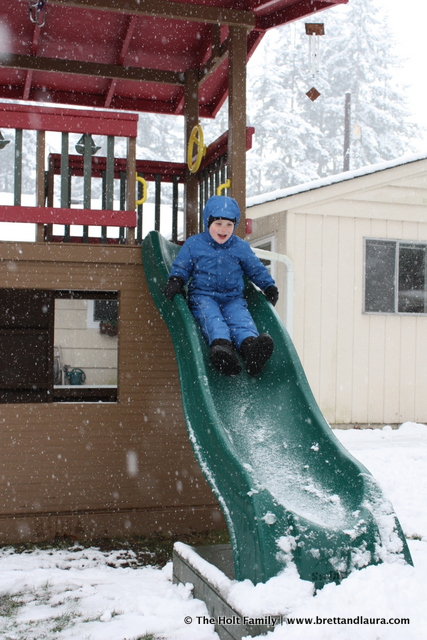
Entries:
{"x":3,"y":142}
{"x":314,"y":30}
{"x":81,"y":145}
{"x":313,"y":94}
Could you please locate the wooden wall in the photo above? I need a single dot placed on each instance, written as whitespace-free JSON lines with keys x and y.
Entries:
{"x":363,"y":368}
{"x":101,"y":469}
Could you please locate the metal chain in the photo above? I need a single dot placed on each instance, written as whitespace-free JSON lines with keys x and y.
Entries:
{"x":38,"y":12}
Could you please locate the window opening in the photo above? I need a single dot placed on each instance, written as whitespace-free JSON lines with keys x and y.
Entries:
{"x":412,"y":279}
{"x":86,"y":343}
{"x":49,"y":351}
{"x":395,"y":277}
{"x":266,"y":244}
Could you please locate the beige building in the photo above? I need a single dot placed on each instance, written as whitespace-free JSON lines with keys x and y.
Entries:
{"x":357,"y":243}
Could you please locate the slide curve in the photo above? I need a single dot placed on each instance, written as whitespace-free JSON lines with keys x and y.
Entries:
{"x":288,"y":489}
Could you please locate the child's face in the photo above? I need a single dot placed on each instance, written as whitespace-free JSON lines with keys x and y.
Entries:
{"x":221,"y":230}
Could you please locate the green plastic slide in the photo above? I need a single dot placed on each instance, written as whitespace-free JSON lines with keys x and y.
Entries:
{"x":288,"y":489}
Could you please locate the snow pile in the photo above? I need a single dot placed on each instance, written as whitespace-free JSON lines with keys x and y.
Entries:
{"x":85,"y":594}
{"x":397,"y":459}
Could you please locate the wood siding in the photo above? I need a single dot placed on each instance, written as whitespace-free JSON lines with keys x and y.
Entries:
{"x":362,"y":368}
{"x":101,"y":469}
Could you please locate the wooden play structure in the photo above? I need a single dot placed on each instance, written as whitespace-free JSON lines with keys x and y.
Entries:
{"x":93,"y":436}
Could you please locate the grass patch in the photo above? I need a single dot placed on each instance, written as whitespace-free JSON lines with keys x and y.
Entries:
{"x":155,"y":549}
{"x":9,"y":605}
{"x":62,"y":622}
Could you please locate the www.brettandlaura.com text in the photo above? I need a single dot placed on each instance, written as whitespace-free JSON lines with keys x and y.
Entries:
{"x":273,"y":621}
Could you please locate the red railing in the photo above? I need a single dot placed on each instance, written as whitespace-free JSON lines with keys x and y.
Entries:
{"x":81,"y":122}
{"x":62,"y":215}
{"x":212,"y":172}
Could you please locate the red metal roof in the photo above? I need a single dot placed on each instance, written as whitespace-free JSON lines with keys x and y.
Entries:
{"x":130,"y":54}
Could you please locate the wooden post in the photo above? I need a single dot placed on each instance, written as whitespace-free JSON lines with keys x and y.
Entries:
{"x":131,"y":185}
{"x":108,"y":182}
{"x":40,"y":183}
{"x":237,"y":120}
{"x":65,"y":180}
{"x":191,"y":114}
{"x":347,"y":122}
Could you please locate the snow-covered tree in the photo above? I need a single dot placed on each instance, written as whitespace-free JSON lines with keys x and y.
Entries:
{"x":297,"y":139}
{"x":359,"y":58}
{"x":283,"y":138}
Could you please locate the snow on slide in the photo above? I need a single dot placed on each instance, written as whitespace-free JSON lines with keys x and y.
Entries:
{"x":289,"y":491}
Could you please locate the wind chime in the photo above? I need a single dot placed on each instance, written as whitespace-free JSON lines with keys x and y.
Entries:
{"x":314,"y":30}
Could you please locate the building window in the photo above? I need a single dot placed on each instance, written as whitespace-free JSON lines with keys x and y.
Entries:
{"x":50,"y":354}
{"x":266,"y":244}
{"x":395,"y":277}
{"x":103,"y":315}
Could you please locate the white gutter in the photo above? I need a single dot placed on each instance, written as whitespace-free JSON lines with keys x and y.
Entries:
{"x":290,"y":282}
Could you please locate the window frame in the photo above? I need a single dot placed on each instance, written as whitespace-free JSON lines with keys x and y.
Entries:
{"x":398,"y":243}
{"x":50,"y":392}
{"x":270,"y":238}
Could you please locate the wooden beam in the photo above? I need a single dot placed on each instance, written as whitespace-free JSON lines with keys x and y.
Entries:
{"x":172,"y":106}
{"x":51,"y":215}
{"x":171,"y":10}
{"x":191,"y":187}
{"x":33,"y":52}
{"x":81,"y":68}
{"x":131,"y":186}
{"x":149,"y":168}
{"x":40,"y":184}
{"x":237,"y":121}
{"x":123,"y":51}
{"x":19,"y":116}
{"x":292,"y":12}
{"x":219,"y":54}
{"x":219,"y":147}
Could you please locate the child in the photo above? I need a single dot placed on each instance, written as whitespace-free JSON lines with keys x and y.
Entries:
{"x":214,"y":262}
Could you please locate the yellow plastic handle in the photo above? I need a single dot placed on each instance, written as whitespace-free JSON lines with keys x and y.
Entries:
{"x":196,"y":139}
{"x":224,"y":185}
{"x":144,"y":190}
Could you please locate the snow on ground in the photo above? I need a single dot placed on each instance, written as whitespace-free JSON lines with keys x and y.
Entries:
{"x":86,"y":594}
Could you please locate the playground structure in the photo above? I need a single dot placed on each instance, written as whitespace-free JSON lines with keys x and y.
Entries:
{"x":93,"y":459}
{"x":177,"y":58}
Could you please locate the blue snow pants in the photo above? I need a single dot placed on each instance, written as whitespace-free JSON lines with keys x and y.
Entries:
{"x":223,"y":318}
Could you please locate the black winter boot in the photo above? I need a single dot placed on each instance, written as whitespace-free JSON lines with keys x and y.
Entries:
{"x":256,"y":352}
{"x":224,"y":358}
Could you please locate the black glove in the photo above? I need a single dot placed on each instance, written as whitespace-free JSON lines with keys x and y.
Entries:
{"x":272,"y":294}
{"x":174,"y":285}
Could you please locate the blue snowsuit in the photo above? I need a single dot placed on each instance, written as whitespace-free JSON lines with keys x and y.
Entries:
{"x":215,"y":275}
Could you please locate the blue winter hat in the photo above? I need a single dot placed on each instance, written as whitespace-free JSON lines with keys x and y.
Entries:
{"x":221,"y":207}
